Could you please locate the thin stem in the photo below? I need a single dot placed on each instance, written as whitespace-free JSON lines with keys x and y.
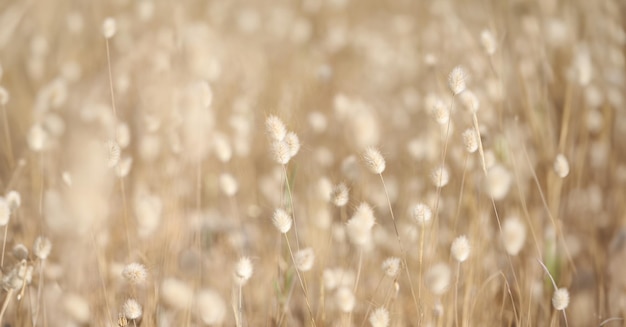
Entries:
{"x":456,"y":294}
{"x":39,"y":292}
{"x":480,"y":142}
{"x":125,"y":210}
{"x":545,"y":204}
{"x":402,"y":252}
{"x":306,"y":295}
{"x":4,"y":243}
{"x":460,"y":202}
{"x":369,"y":306}
{"x":293,"y":211}
{"x":358,"y":272}
{"x":110,"y":77}
{"x":7,"y":134}
{"x":358,"y":276}
{"x":104,"y":287}
{"x":240,"y":307}
{"x":5,"y":304}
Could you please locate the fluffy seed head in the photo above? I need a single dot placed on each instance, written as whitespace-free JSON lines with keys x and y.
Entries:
{"x":488,"y":41}
{"x":20,"y":252}
{"x":470,"y":140}
{"x":304,"y":259}
{"x":561,"y":166}
{"x":359,"y":227}
{"x":440,"y":112}
{"x":470,"y":101}
{"x":460,"y":248}
{"x":438,"y":278}
{"x":109,"y":27}
{"x":345,"y":299}
{"x":210,"y":307}
{"x":422,"y":214}
{"x":222,"y":147}
{"x":37,"y":137}
{"x":122,"y":169}
{"x":293,"y":143}
{"x":228,"y":184}
{"x":560,"y":299}
{"x":42,"y":247}
{"x":498,"y":181}
{"x":340,"y":195}
{"x":365,"y":215}
{"x":14,"y":199}
{"x":132,"y":309}
{"x":5,"y":212}
{"x":4,"y":96}
{"x":374,"y":160}
{"x":513,"y":235}
{"x":282,"y":220}
{"x":113,"y":153}
{"x":176,"y":293}
{"x":391,"y":266}
{"x":440,"y":176}
{"x":76,"y":307}
{"x":379,"y":317}
{"x":456,"y":80}
{"x":281,"y":152}
{"x":275,"y":128}
{"x":243,"y":270}
{"x":135,"y":273}
{"x":67,"y":178}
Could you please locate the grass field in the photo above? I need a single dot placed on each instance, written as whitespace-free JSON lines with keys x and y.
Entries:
{"x":313,"y":163}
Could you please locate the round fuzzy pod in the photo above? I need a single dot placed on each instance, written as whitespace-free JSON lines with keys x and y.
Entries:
{"x":228,"y":184}
{"x":513,"y":235}
{"x":561,"y":166}
{"x":440,"y":113}
{"x":422,"y":214}
{"x":470,"y":140}
{"x":340,"y":195}
{"x":488,"y":42}
{"x":304,"y":259}
{"x":275,"y":128}
{"x":42,"y":247}
{"x":135,"y":273}
{"x":498,"y":181}
{"x":460,"y":248}
{"x":438,"y":278}
{"x":109,"y":27}
{"x":281,"y":152}
{"x":5,"y":212}
{"x":365,"y":215}
{"x":77,"y":308}
{"x":470,"y":101}
{"x":132,"y":309}
{"x":456,"y":80}
{"x":210,"y":307}
{"x":440,"y":176}
{"x":374,"y":160}
{"x":391,"y":267}
{"x":345,"y":299}
{"x":293,"y":143}
{"x":560,"y":299}
{"x":379,"y":317}
{"x":176,"y":293}
{"x":282,"y":220}
{"x":14,"y":200}
{"x":243,"y":271}
{"x":4,"y":96}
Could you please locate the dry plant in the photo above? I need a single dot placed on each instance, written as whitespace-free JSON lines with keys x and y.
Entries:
{"x":312,"y":163}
